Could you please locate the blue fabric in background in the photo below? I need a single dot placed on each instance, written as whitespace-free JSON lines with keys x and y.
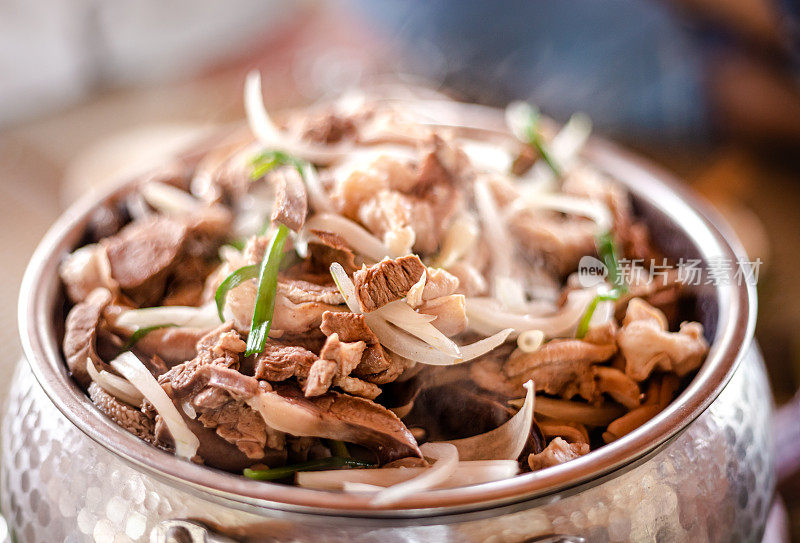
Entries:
{"x":629,"y":64}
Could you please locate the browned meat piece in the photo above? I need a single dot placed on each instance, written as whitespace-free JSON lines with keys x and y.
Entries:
{"x":647,"y":345}
{"x":347,"y":355}
{"x":441,"y":164}
{"x":663,"y":293}
{"x":561,"y":367}
{"x":237,"y":423}
{"x":328,"y":128}
{"x":523,"y":161}
{"x":174,"y":344}
{"x":143,"y":254}
{"x":220,"y":347}
{"x":557,"y":452}
{"x":351,"y":327}
{"x":386,"y":281}
{"x":288,"y":317}
{"x":291,"y":202}
{"x":187,"y":282}
{"x":129,"y":417}
{"x":337,"y":360}
{"x":280,"y":361}
{"x":80,"y":334}
{"x":560,"y":241}
{"x":320,"y":377}
{"x":329,"y":248}
{"x":338,"y":416}
{"x":299,"y":291}
{"x":84,"y":270}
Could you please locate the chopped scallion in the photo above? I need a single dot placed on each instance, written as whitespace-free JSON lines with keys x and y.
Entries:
{"x":140,"y":333}
{"x":265,"y":297}
{"x":586,"y":318}
{"x":245,"y":273}
{"x":535,"y":138}
{"x":607,"y":252}
{"x":282,"y":472}
{"x":269,"y":160}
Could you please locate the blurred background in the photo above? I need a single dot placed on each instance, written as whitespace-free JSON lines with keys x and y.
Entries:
{"x":91,"y":91}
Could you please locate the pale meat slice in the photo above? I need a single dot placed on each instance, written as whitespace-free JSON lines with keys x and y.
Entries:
{"x":291,"y":202}
{"x":280,"y":361}
{"x":338,"y":416}
{"x":80,"y":334}
{"x":337,"y":360}
{"x":85,"y":270}
{"x":386,"y":281}
{"x":557,"y":452}
{"x":351,"y":327}
{"x":647,"y":345}
{"x":560,"y":241}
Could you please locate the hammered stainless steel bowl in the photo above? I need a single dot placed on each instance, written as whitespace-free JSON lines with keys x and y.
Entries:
{"x":700,"y":471}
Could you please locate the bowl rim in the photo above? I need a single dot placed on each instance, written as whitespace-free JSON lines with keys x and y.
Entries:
{"x":40,"y":292}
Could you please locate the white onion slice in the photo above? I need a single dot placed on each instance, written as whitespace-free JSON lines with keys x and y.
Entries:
{"x":467,"y":473}
{"x":485,"y":315}
{"x":460,"y":237}
{"x":530,"y":341}
{"x":168,"y":199}
{"x":494,"y":230}
{"x":400,"y":342}
{"x":353,"y":233}
{"x":271,"y":137}
{"x":486,"y":156}
{"x":129,"y":365}
{"x":563,"y":203}
{"x":505,"y":442}
{"x":114,"y":385}
{"x":345,"y":286}
{"x":185,"y":316}
{"x":446,"y":456}
{"x":316,"y":192}
{"x":483,"y":346}
{"x":404,"y":317}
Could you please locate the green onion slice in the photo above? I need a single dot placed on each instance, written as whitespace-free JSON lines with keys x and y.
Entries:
{"x":140,"y":333}
{"x":267,"y":161}
{"x":607,"y":252}
{"x":282,"y":472}
{"x":583,"y":324}
{"x":265,"y":297}
{"x":245,"y":273}
{"x":535,"y":138}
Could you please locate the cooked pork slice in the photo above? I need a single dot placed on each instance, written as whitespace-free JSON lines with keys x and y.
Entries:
{"x":291,"y":202}
{"x":220,"y":347}
{"x":240,"y":425}
{"x":129,"y":417}
{"x":298,"y":291}
{"x":350,"y":328}
{"x":557,"y":452}
{"x":647,"y":345}
{"x":560,"y":241}
{"x":386,"y":281}
{"x":80,"y":334}
{"x":337,"y":360}
{"x":280,"y":361}
{"x":143,"y":254}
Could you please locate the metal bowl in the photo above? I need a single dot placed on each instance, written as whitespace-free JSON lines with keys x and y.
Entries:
{"x":709,"y":447}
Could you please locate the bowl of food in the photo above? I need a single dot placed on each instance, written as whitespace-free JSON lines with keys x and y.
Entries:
{"x":390,"y":317}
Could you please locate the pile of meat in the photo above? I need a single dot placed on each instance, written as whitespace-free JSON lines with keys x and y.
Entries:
{"x":448,"y":237}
